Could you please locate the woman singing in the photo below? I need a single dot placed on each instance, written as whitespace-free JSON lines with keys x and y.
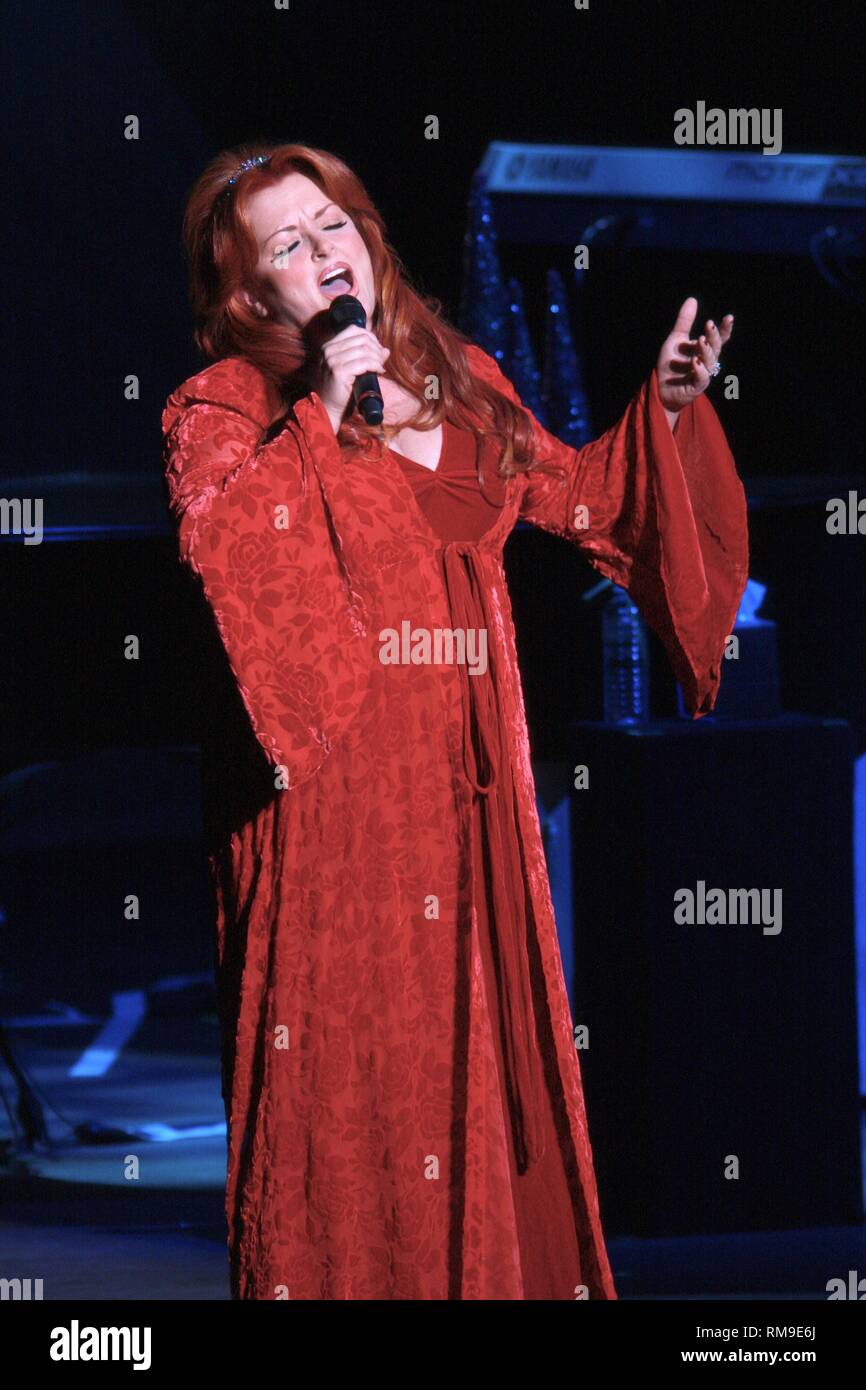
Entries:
{"x":403,"y":1095}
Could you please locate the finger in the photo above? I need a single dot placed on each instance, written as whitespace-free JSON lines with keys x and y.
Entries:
{"x":344,"y":376}
{"x":727,"y":327}
{"x":338,"y":351}
{"x":680,"y":370}
{"x":704,"y":354}
{"x":686,"y":316}
{"x":353,"y":332}
{"x":342,"y":354}
{"x":713,"y":337}
{"x":355,"y":337}
{"x":684,"y":352}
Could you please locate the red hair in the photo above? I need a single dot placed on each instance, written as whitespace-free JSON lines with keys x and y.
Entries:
{"x":223,"y":257}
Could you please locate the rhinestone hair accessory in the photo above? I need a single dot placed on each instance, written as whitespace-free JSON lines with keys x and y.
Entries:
{"x":242,"y":169}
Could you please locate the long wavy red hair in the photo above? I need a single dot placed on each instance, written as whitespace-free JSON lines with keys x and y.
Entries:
{"x":222,"y":255}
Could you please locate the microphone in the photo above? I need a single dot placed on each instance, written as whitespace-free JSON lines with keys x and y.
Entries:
{"x":346,"y":310}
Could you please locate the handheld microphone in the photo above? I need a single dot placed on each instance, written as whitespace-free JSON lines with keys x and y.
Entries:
{"x":346,"y":310}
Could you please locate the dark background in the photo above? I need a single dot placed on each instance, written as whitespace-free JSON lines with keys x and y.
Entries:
{"x":98,"y":284}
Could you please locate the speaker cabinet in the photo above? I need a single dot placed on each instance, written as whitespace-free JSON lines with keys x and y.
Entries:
{"x":721,"y":1069}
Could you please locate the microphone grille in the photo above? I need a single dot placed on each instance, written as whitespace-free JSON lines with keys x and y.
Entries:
{"x":346,"y":309}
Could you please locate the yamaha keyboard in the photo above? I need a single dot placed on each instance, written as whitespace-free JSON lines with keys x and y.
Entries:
{"x":727,"y":199}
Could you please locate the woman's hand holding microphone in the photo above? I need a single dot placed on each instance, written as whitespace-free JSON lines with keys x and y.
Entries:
{"x":346,"y":356}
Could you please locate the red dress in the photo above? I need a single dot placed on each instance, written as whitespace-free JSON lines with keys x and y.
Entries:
{"x":547,"y":1209}
{"x":404,"y":1101}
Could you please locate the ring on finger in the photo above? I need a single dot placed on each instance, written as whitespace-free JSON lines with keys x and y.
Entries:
{"x":717,"y":366}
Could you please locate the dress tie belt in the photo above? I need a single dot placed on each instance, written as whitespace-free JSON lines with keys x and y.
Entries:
{"x":485,"y":768}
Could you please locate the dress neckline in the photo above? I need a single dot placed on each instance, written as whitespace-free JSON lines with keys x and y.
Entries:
{"x":415,"y":463}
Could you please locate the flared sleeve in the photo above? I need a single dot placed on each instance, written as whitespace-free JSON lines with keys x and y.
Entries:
{"x":662,"y":514}
{"x":252,"y":526}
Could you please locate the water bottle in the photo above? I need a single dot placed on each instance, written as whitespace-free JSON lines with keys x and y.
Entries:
{"x":626,"y":663}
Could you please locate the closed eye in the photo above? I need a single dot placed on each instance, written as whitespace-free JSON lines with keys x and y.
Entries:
{"x":283,"y":251}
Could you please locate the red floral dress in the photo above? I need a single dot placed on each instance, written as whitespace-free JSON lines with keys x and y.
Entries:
{"x":547,"y":1199}
{"x":404,"y":1101}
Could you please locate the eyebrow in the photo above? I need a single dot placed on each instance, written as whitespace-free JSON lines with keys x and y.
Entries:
{"x":292,"y":228}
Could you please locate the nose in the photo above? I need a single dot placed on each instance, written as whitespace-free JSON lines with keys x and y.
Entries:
{"x":321,"y":243}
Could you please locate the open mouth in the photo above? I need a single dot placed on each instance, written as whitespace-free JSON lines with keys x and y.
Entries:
{"x":336,"y":281}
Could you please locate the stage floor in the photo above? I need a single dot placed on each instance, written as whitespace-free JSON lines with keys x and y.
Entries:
{"x":71,"y":1217}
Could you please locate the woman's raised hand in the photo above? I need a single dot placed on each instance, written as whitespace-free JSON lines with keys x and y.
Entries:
{"x":347,"y":355}
{"x":685,"y":364}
